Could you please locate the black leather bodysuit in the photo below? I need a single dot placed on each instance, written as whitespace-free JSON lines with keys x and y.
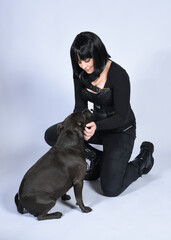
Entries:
{"x":102,"y":99}
{"x":111,"y":104}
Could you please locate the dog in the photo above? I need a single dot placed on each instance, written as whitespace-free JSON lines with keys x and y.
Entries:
{"x":62,"y":167}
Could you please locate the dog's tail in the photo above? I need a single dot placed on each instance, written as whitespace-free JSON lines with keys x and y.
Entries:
{"x":18,"y":204}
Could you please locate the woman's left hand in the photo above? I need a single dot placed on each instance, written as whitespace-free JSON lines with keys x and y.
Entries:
{"x":89,"y":130}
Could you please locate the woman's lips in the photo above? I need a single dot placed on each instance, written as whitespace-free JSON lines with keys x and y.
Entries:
{"x":88,"y":69}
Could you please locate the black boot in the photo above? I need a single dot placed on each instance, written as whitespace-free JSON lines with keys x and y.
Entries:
{"x":94,"y":156}
{"x":144,"y":161}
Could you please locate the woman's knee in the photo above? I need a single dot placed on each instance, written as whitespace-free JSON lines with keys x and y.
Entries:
{"x":113,"y":168}
{"x":111,"y":189}
{"x":46,"y":136}
{"x":50,"y":135}
{"x":112,"y":178}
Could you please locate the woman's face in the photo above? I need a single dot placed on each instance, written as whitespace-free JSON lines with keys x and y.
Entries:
{"x":86,"y":64}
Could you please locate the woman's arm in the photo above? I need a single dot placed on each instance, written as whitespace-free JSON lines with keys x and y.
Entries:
{"x":121,"y":101}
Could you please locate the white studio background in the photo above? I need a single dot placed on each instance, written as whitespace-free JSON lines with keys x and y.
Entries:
{"x":36,"y":85}
{"x":35,"y":69}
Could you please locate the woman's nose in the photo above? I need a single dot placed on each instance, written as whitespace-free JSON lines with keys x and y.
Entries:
{"x":84,"y":65}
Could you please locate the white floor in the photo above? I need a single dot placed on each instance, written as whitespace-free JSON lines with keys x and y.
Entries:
{"x":142,"y":212}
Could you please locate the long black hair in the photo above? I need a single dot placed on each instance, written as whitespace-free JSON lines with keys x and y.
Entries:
{"x":88,"y":45}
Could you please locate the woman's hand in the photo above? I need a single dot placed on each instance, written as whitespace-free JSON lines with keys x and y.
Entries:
{"x":89,"y":130}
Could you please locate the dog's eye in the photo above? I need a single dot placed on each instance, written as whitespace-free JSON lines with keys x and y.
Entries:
{"x":79,"y":124}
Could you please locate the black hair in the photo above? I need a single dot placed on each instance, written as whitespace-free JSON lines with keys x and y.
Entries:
{"x":88,"y":45}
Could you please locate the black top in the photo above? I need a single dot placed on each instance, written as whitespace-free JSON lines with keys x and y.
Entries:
{"x":101,"y":97}
{"x":114,"y":97}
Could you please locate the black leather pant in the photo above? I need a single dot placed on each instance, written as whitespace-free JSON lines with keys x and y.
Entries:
{"x":116,"y":173}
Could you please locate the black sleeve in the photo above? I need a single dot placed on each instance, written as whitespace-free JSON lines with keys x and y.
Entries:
{"x":121,"y":101}
{"x":80,"y":103}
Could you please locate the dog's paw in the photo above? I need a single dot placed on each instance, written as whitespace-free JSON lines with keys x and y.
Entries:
{"x":86,"y":209}
{"x":65,"y":197}
{"x":57,"y":215}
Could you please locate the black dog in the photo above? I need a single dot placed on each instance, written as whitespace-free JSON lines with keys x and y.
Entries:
{"x":62,"y":167}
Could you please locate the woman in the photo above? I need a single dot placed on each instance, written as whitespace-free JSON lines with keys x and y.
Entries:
{"x":106,"y":84}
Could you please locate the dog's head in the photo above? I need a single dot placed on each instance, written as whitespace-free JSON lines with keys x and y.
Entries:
{"x":76,"y":122}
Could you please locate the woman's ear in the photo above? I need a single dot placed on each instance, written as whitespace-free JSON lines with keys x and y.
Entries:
{"x":60,"y":126}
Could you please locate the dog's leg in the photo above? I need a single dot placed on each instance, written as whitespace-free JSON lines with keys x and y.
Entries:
{"x":54,"y":215}
{"x":65,"y":197}
{"x":78,"y":186}
{"x":40,"y":205}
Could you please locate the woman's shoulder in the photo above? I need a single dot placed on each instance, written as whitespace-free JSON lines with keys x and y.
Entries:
{"x":116,"y":67}
{"x":117,"y":73}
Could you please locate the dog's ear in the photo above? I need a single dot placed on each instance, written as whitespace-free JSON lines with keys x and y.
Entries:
{"x":60,"y":126}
